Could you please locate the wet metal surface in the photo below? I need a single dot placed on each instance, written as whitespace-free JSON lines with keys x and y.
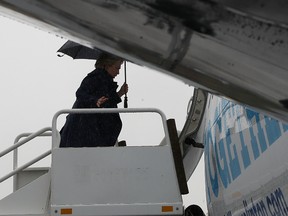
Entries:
{"x":238,"y":50}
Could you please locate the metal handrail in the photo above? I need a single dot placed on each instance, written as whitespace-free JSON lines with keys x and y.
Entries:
{"x":15,"y":153}
{"x":15,"y":157}
{"x":25,"y":166}
{"x":30,"y":137}
{"x":20,"y":143}
{"x":55,"y":136}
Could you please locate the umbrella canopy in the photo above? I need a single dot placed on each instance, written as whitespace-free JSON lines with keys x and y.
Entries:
{"x":78,"y":51}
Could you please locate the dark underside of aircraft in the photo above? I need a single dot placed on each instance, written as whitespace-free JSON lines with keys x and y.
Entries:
{"x":237,"y":49}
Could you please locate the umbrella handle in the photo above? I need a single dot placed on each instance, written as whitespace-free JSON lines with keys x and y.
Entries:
{"x":125,"y":102}
{"x":125,"y":98}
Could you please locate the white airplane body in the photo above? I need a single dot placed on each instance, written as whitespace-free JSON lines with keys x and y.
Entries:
{"x":245,"y":161}
{"x":236,"y":50}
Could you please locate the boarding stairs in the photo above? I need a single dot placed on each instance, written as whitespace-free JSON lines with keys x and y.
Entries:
{"x":132,"y":180}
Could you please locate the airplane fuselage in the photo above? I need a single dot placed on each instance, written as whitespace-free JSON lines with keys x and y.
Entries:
{"x":245,"y":161}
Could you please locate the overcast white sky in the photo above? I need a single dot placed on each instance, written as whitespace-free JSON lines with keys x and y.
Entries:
{"x":35,"y":83}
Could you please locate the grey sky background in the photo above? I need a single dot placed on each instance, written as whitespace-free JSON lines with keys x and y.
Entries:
{"x":35,"y":83}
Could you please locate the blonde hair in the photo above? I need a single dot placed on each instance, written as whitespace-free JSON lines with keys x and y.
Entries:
{"x":106,"y":59}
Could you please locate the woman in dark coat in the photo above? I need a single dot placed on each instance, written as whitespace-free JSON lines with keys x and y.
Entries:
{"x":96,"y":90}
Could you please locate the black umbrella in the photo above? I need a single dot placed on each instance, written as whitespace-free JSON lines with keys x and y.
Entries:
{"x":78,"y":51}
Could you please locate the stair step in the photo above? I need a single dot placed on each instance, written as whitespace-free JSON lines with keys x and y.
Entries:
{"x":30,"y":200}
